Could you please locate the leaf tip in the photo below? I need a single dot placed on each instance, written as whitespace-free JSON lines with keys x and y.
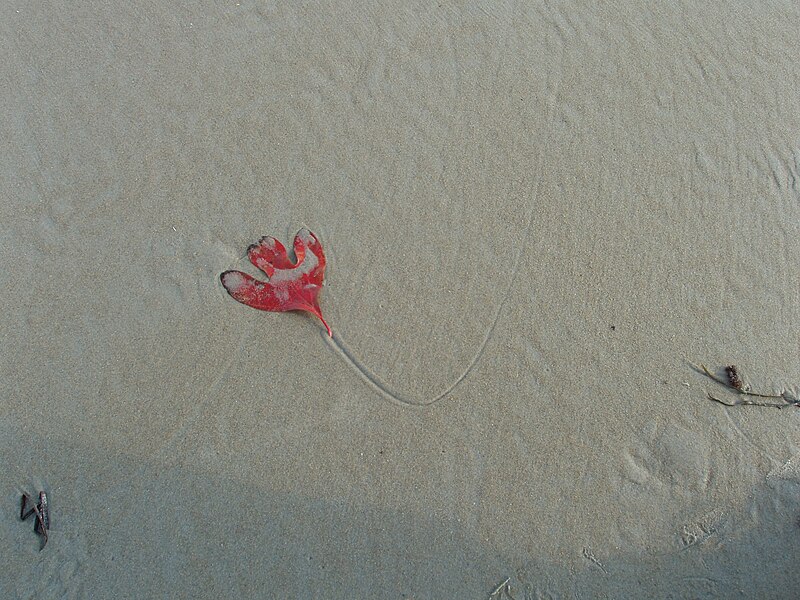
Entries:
{"x":231,"y":280}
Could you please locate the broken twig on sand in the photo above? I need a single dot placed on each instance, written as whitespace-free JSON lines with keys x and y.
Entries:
{"x":42,"y":514}
{"x":504,"y":587}
{"x":735,"y":384}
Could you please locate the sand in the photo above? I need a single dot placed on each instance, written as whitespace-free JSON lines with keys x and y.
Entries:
{"x":536,"y":219}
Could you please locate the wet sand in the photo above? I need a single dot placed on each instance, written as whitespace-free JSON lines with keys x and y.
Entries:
{"x":536,"y":219}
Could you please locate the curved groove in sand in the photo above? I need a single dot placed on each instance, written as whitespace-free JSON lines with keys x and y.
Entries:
{"x":385,"y":390}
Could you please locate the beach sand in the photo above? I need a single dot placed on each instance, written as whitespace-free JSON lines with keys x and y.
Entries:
{"x":537,"y":219}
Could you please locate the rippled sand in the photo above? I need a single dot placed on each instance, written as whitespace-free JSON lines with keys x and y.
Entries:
{"x":536,"y":219}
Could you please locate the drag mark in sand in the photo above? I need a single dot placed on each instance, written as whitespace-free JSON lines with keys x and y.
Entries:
{"x":385,"y":390}
{"x":393,"y":395}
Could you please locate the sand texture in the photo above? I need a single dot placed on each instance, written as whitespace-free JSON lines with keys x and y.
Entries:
{"x":537,"y":216}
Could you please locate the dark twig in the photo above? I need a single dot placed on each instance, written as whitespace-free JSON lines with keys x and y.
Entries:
{"x":41,"y":511}
{"x":743,"y":402}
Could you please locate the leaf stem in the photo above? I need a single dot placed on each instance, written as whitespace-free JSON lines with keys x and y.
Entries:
{"x":330,"y":333}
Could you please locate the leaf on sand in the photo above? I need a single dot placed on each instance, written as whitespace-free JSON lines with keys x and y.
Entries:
{"x":291,"y":286}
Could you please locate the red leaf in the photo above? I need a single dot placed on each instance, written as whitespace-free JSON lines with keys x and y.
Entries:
{"x":291,"y":286}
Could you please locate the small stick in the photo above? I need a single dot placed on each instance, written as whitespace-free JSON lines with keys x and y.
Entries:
{"x":42,"y":514}
{"x":499,"y":589}
{"x":742,"y":402}
{"x":22,"y":514}
{"x":44,"y":522}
